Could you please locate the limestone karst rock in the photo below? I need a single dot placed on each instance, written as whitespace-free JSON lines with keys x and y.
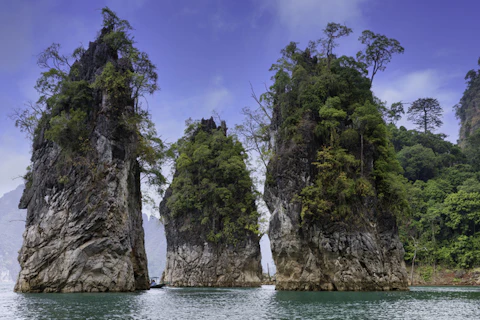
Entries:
{"x":208,"y":243}
{"x":330,"y":183}
{"x":327,"y":254}
{"x":468,"y":109}
{"x":84,"y":223}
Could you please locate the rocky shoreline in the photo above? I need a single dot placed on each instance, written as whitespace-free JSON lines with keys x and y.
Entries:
{"x":426,"y":276}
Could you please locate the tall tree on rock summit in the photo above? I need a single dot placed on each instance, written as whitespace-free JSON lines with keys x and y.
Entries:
{"x":333,"y":31}
{"x":378,"y":52}
{"x":66,"y":96}
{"x":426,"y":114}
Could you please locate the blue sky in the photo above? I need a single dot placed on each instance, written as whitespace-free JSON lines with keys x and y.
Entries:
{"x":208,"y":51}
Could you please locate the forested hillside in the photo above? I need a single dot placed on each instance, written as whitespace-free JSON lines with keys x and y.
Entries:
{"x":443,"y":223}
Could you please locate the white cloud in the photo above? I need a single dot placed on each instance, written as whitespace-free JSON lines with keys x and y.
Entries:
{"x":411,"y":86}
{"x":304,"y":20}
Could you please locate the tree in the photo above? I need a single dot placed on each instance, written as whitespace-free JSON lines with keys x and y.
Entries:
{"x":255,"y":129}
{"x":378,"y":52}
{"x":426,"y":114}
{"x":395,"y":112}
{"x":333,"y":31}
{"x":418,"y":162}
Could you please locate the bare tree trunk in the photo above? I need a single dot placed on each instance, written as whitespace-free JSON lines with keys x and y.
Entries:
{"x":434,"y":249}
{"x":361,"y":154}
{"x":413,"y":262}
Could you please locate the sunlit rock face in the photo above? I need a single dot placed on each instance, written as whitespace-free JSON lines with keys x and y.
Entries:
{"x":324,"y":253}
{"x":83,"y":228}
{"x":195,"y":261}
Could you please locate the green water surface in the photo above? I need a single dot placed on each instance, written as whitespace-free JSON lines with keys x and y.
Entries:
{"x":262,"y":303}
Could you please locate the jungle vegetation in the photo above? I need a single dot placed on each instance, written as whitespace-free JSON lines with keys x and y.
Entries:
{"x":212,"y":183}
{"x":430,"y":184}
{"x":68,"y":101}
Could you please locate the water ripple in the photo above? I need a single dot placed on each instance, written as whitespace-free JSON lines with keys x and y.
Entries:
{"x":262,"y":303}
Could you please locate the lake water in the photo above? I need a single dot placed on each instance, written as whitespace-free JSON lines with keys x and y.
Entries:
{"x":262,"y":303}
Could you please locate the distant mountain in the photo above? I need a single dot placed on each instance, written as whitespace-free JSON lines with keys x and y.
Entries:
{"x":12,"y":222}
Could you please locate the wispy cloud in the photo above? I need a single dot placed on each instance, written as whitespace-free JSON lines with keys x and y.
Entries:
{"x":220,"y":22}
{"x":411,"y":86}
{"x":303,"y":20}
{"x":299,"y":15}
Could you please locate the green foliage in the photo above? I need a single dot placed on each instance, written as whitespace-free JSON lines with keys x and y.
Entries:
{"x":115,"y":82}
{"x":418,"y":162}
{"x":327,"y":102}
{"x":332,"y":32}
{"x":443,"y":223}
{"x":378,"y":52}
{"x":338,"y":186}
{"x":69,"y":130}
{"x":69,"y":105}
{"x":472,"y":149}
{"x":426,"y":272}
{"x":471,"y":97}
{"x":395,"y":112}
{"x":28,"y":177}
{"x":212,"y":183}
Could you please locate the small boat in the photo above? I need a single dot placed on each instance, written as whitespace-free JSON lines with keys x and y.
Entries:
{"x":155,"y":284}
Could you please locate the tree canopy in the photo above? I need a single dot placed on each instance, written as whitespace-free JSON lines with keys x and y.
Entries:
{"x":378,"y":52}
{"x":212,"y":184}
{"x":327,"y":101}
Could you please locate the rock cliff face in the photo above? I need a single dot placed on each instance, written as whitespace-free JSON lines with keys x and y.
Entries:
{"x":84,"y":223}
{"x":468,"y":109}
{"x":193,"y":259}
{"x":325,"y":253}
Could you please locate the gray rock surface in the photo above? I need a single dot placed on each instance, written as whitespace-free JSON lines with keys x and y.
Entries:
{"x":84,"y":229}
{"x":360,"y":253}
